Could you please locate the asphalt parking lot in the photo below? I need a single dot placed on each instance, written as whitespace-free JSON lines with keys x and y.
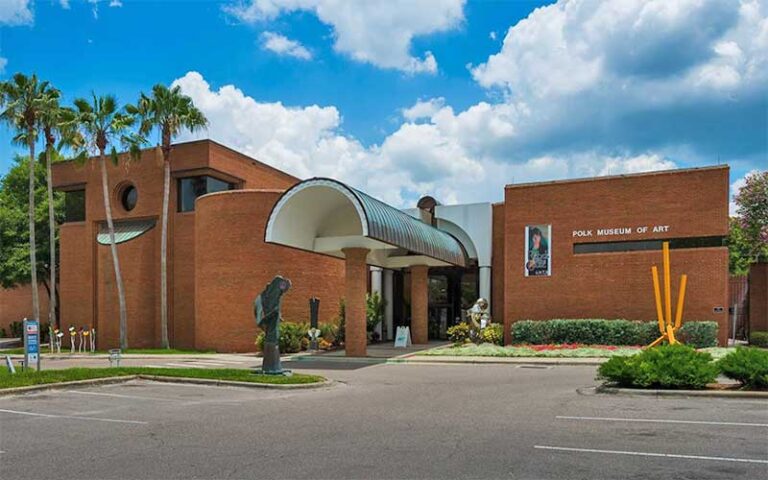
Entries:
{"x":382,"y":421}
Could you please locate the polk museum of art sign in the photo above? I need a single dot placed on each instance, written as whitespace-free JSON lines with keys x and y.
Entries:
{"x":615,"y":231}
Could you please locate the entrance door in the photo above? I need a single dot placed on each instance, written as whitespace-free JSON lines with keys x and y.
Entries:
{"x":452,"y":291}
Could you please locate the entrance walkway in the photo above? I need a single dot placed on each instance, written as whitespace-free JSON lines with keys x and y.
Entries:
{"x":385,"y":350}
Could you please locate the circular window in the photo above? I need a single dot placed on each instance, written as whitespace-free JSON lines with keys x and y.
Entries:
{"x":128,"y":197}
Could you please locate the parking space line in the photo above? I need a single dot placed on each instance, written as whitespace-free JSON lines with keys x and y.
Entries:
{"x":72,"y":417}
{"x":118,"y":395}
{"x":651,"y":454}
{"x":659,"y":420}
{"x":216,"y":364}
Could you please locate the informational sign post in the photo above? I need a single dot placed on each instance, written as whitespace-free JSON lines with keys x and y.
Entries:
{"x":32,"y":344}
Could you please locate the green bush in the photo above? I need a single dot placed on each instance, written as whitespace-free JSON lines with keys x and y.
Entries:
{"x":328,"y":332}
{"x":291,"y":337}
{"x":758,"y":339}
{"x":665,"y":366}
{"x":748,"y":365}
{"x":699,"y":334}
{"x":493,"y":333}
{"x":606,"y":332}
{"x":17,"y":329}
{"x":458,"y":334}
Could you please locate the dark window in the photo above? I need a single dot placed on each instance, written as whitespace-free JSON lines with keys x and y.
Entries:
{"x":128,"y":197}
{"x":74,"y":206}
{"x":192,"y":187}
{"x":640,"y":245}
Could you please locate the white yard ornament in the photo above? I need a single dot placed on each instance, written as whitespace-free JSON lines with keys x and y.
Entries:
{"x":93,"y":340}
{"x":59,"y":334}
{"x":72,"y":334}
{"x":314,"y":334}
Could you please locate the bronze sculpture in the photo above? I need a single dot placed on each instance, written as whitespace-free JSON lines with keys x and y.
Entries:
{"x":266,"y":309}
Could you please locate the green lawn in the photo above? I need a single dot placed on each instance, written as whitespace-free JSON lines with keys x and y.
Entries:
{"x":490,"y":350}
{"x":31,"y":377}
{"x":141,"y":351}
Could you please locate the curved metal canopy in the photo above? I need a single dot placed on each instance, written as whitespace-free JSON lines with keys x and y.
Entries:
{"x":124,"y":230}
{"x":403,"y":236}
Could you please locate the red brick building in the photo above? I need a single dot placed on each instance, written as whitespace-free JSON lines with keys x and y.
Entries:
{"x":569,"y":249}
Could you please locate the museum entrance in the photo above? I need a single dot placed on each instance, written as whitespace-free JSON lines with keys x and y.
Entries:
{"x":452,"y":290}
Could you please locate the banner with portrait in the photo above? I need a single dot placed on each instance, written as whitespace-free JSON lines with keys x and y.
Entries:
{"x":538,"y":248}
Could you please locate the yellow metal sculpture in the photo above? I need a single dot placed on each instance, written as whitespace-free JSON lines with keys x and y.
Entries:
{"x":664,"y":314}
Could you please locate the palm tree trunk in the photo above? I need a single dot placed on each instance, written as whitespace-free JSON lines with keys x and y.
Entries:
{"x":164,"y":254}
{"x":32,"y":245}
{"x":115,"y":259}
{"x":52,"y":230}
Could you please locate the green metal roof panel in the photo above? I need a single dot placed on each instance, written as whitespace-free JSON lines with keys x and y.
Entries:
{"x":393,"y":226}
{"x":124,"y":230}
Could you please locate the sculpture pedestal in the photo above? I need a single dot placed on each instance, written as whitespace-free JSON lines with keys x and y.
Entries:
{"x":271,"y":364}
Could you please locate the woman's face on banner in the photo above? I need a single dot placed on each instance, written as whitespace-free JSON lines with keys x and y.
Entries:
{"x":536,"y":240}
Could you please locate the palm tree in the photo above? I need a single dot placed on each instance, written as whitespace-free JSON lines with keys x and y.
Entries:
{"x":170,"y":112}
{"x":21,"y":97}
{"x":56,"y":122}
{"x":101,"y":124}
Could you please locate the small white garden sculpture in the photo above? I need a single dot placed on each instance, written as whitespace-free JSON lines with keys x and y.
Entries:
{"x":59,"y":335}
{"x":72,"y":337}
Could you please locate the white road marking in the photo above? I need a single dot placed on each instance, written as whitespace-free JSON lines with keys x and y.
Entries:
{"x":226,"y":362}
{"x":185,"y":365}
{"x":658,"y":420}
{"x":118,"y":395}
{"x":72,"y":417}
{"x":198,"y":362}
{"x":651,"y":454}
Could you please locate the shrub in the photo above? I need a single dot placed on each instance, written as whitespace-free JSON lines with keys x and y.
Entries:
{"x":328,"y":332}
{"x":606,"y":332}
{"x":748,"y":365}
{"x":458,"y":334}
{"x":291,"y":336}
{"x":758,"y":339}
{"x":699,"y":334}
{"x":493,"y":333}
{"x":665,"y":366}
{"x":17,"y":329}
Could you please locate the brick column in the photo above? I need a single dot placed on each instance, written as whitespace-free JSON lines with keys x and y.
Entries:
{"x":419,"y":300}
{"x":356,"y":286}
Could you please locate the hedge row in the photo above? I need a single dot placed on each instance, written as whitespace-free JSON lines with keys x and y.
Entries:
{"x":607,"y":332}
{"x":680,"y":366}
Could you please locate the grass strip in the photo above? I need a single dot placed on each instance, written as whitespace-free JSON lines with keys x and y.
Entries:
{"x":139,"y":351}
{"x":31,"y":377}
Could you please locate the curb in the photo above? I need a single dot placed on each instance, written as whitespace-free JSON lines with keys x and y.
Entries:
{"x":160,"y":378}
{"x":681,"y":393}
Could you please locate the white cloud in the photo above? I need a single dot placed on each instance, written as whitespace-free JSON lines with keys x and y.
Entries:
{"x":375,"y":32}
{"x":16,"y":12}
{"x":416,"y":159}
{"x":283,"y":45}
{"x":115,"y":3}
{"x":64,"y":4}
{"x":3,"y":63}
{"x":735,"y":187}
{"x":587,"y":88}
{"x":423,"y":109}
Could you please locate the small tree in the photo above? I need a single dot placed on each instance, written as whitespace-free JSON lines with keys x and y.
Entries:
{"x":170,"y":112}
{"x":101,"y":125}
{"x":752,"y":209}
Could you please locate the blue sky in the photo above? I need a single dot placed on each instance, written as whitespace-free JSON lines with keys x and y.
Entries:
{"x":445,"y":97}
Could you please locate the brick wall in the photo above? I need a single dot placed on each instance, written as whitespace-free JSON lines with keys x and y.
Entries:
{"x":758,"y":297}
{"x":618,"y":285}
{"x":497,"y":264}
{"x":233,"y":265}
{"x":16,"y":304}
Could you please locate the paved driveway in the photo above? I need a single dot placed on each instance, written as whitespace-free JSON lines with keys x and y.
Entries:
{"x":382,"y":421}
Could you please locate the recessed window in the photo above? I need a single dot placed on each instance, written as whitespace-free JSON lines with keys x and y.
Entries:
{"x":192,"y":187}
{"x":128,"y":197}
{"x":74,"y":206}
{"x":640,"y":245}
